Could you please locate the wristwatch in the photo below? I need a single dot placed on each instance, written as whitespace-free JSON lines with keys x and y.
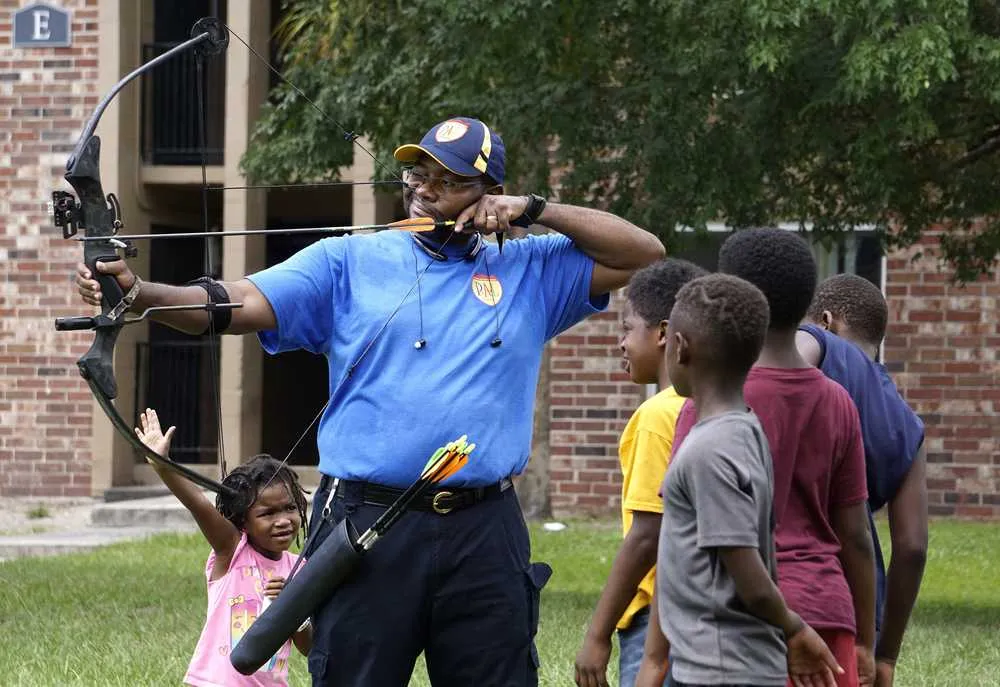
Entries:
{"x":536,"y":205}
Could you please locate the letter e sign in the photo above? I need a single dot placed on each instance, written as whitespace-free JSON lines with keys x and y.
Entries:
{"x":41,"y":26}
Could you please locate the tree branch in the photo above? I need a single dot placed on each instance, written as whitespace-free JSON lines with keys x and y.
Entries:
{"x":977,"y":153}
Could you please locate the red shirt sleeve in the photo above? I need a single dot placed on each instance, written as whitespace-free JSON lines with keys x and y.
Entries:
{"x":685,"y":421}
{"x":848,"y":485}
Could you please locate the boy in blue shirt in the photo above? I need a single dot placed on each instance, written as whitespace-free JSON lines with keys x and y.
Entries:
{"x":847,"y":323}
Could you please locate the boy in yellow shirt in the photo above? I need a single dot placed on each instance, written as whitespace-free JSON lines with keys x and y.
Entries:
{"x":644,"y":450}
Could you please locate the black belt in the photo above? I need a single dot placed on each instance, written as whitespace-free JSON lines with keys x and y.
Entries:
{"x":441,"y":501}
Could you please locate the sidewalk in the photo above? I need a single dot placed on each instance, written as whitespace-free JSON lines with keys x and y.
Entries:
{"x":48,"y":526}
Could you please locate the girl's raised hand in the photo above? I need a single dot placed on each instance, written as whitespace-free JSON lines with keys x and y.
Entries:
{"x":150,"y":433}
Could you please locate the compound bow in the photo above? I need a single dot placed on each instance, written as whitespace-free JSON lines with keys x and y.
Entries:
{"x":100,"y":218}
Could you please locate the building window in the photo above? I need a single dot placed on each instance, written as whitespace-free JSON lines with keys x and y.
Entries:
{"x":171,"y":128}
{"x":857,"y":252}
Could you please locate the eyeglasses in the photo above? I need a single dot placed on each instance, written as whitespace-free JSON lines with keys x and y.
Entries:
{"x":415,"y":179}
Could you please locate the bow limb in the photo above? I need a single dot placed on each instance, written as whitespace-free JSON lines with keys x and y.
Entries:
{"x":119,"y":423}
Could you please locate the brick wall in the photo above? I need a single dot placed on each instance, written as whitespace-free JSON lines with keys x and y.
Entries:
{"x":591,"y":399}
{"x":942,"y":351}
{"x":45,"y":408}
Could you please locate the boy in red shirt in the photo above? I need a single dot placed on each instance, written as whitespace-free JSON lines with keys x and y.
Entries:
{"x":826,"y":562}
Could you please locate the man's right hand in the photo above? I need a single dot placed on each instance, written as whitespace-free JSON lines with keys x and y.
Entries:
{"x":254,"y":314}
{"x":90,"y":289}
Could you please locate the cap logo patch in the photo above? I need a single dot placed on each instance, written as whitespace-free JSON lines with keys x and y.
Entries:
{"x":487,"y":289}
{"x":452,"y":130}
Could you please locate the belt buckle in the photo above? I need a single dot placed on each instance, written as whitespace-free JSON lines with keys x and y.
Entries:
{"x":436,"y":503}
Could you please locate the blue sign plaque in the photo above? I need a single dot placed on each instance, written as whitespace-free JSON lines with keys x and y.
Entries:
{"x":41,"y":26}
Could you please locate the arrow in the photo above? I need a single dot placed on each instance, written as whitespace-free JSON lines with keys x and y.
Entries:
{"x":414,"y":224}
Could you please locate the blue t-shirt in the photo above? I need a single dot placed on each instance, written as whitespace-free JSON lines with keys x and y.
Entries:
{"x":891,"y":431}
{"x":401,"y":403}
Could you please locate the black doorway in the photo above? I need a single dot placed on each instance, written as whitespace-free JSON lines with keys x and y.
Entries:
{"x":175,"y":372}
{"x":295,"y":383}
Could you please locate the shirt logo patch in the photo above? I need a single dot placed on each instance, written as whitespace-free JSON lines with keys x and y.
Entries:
{"x":487,"y":289}
{"x":452,"y":130}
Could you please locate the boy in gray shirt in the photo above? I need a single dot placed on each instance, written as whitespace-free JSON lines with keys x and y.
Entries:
{"x":716,"y":596}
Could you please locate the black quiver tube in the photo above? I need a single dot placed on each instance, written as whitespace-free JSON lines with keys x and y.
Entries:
{"x":324,"y":571}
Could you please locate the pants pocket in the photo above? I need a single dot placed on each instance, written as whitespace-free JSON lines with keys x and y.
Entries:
{"x":318,"y":662}
{"x":536,"y":576}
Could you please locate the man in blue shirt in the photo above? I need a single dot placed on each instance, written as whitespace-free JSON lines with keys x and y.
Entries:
{"x":428,"y":336}
{"x":848,"y":318}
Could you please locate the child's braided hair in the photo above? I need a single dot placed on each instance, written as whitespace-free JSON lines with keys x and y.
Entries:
{"x":249,"y":479}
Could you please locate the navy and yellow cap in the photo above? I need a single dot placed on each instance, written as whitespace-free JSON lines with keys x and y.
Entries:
{"x":463,"y":145}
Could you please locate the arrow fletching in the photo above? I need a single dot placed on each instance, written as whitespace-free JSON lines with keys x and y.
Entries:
{"x":442,"y":467}
{"x":433,"y":459}
{"x":445,"y":468}
{"x":450,"y":467}
{"x":442,"y":458}
{"x":461,"y":459}
{"x":435,"y":466}
{"x":419,"y":224}
{"x":444,"y":463}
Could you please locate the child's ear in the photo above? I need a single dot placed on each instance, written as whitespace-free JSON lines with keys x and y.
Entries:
{"x":661,"y":334}
{"x":826,"y":321}
{"x":683,"y":349}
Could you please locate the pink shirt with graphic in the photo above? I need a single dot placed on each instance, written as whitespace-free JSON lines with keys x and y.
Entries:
{"x":234,"y":602}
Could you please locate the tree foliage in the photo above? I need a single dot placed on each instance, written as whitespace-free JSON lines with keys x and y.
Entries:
{"x":836,"y":113}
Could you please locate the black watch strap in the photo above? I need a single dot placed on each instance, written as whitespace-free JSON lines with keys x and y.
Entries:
{"x":536,"y":204}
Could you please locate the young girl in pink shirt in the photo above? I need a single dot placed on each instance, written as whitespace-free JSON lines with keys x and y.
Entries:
{"x":250,"y":535}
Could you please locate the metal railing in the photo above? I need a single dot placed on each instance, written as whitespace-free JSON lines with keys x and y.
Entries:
{"x":170,"y":134}
{"x":175,"y":379}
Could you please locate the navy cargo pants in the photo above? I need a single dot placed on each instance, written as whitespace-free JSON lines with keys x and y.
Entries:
{"x":459,"y":587}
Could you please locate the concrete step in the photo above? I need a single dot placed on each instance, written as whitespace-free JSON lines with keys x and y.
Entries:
{"x":106,"y":523}
{"x":55,"y":543}
{"x":147,"y":491}
{"x":161,"y":512}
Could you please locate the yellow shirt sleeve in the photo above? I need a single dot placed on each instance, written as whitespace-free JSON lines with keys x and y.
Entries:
{"x":646,"y":445}
{"x":650,"y":455}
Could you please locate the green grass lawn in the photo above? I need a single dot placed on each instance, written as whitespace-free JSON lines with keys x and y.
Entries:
{"x":131,"y":614}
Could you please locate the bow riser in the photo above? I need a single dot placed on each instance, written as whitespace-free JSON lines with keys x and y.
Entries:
{"x":97,"y":219}
{"x":96,"y":366}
